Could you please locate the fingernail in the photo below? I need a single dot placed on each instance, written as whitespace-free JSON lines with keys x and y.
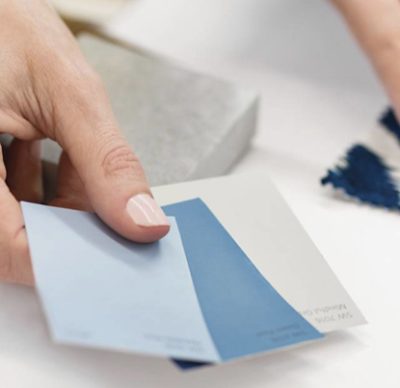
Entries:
{"x":144,"y":211}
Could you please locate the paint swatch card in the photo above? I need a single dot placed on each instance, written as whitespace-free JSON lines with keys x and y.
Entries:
{"x":259,"y":220}
{"x":194,"y":295}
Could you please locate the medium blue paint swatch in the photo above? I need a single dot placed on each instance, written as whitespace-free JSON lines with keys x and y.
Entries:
{"x":243,"y":312}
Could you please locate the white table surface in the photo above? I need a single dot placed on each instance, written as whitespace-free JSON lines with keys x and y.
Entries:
{"x":319,"y":96}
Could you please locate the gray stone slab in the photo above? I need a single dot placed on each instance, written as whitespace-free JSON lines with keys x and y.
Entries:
{"x":182,"y":125}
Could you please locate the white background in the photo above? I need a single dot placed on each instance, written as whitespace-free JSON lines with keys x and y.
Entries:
{"x":319,"y":96}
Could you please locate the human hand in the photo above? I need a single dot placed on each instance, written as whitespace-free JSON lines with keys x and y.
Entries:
{"x":47,"y":90}
{"x":376,"y":24}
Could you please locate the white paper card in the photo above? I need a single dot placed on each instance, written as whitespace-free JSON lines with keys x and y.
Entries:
{"x":260,"y":221}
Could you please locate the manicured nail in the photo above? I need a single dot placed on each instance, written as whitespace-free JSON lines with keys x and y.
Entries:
{"x":144,"y":211}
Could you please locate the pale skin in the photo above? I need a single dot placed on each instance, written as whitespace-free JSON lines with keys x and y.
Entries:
{"x":376,"y":25}
{"x":47,"y":89}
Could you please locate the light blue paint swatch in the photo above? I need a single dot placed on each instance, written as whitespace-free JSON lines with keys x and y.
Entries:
{"x":194,"y":295}
{"x":100,"y":290}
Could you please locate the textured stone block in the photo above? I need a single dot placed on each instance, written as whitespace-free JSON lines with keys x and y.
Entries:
{"x":182,"y":125}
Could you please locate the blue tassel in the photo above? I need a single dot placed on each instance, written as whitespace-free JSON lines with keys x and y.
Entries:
{"x":366,"y":177}
{"x":390,"y":122}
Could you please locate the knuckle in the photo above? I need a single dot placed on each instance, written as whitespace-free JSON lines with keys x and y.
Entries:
{"x":120,"y":160}
{"x":80,"y":95}
{"x":72,"y":68}
{"x":86,"y":83}
{"x":79,"y":81}
{"x":85,"y":75}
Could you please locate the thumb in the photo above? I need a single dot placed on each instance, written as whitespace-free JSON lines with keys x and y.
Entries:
{"x":113,"y":178}
{"x":116,"y":187}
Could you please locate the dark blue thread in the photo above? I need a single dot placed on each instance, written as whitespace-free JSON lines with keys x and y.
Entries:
{"x":390,"y":122}
{"x":365,"y":176}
